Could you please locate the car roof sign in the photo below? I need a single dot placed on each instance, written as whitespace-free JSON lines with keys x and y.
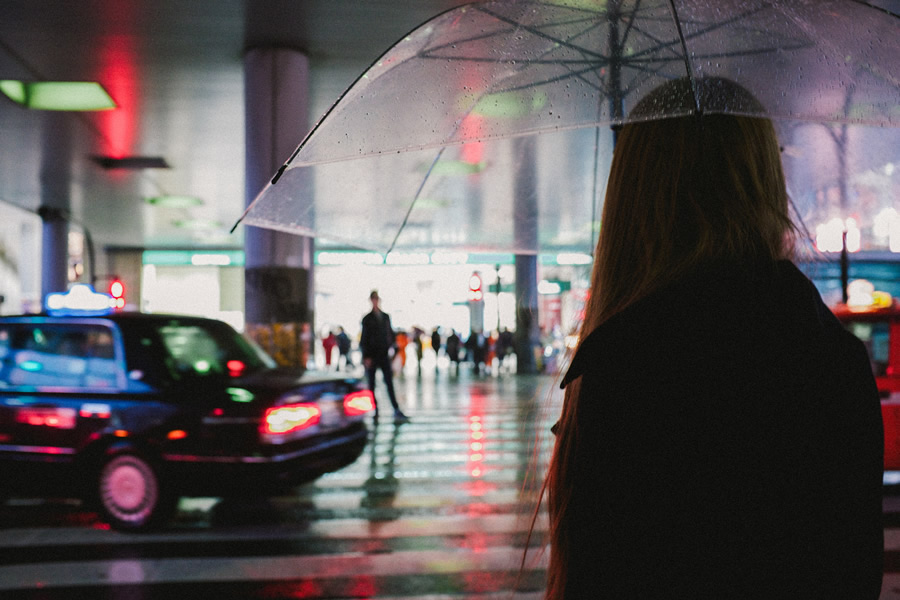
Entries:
{"x":80,"y":300}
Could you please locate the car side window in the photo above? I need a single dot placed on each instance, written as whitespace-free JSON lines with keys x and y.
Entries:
{"x":192,"y":350}
{"x":58,"y":355}
{"x":875,"y":335}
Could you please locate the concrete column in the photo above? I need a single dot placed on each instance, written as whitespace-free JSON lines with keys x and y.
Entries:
{"x":278,"y":288}
{"x":56,"y":161}
{"x":525,"y":223}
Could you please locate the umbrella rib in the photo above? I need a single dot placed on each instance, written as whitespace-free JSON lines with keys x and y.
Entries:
{"x":539,"y":33}
{"x":415,"y":198}
{"x":717,"y":25}
{"x":632,"y":61}
{"x":687,"y":62}
{"x":570,"y":74}
{"x":594,"y":64}
{"x":579,"y":74}
{"x":642,"y":75}
{"x":633,"y":16}
{"x":682,"y":39}
{"x":474,"y":38}
{"x":513,"y":26}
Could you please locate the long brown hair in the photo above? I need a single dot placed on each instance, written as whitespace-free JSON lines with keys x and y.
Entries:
{"x":683,"y":192}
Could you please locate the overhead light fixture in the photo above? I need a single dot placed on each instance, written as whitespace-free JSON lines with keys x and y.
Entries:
{"x":131,"y":162}
{"x":174,"y":201}
{"x":198,"y":224}
{"x":57,"y":95}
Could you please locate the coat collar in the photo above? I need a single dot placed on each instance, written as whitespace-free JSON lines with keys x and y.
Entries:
{"x":739,"y":287}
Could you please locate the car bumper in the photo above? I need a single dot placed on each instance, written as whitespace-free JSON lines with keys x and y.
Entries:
{"x":228,"y":475}
{"x":28,"y":471}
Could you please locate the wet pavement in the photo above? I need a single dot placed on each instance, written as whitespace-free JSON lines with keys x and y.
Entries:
{"x":439,"y":508}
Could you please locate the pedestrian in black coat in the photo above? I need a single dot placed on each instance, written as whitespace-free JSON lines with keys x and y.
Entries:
{"x":344,"y":346}
{"x":721,"y":434}
{"x":453,"y":347}
{"x":436,"y":345}
{"x":377,"y":343}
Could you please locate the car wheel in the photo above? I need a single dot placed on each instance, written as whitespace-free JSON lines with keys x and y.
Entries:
{"x":130,"y":495}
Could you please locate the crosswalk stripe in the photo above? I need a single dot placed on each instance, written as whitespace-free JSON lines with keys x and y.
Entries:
{"x":329,"y":529}
{"x":419,"y":510}
{"x":129,"y":571}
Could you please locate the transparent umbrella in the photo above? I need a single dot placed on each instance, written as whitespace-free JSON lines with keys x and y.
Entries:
{"x":491,"y":126}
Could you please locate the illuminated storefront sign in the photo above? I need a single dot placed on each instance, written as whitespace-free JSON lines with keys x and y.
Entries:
{"x":186,"y":258}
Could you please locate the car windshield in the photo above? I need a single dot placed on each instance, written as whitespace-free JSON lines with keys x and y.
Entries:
{"x":210,"y":348}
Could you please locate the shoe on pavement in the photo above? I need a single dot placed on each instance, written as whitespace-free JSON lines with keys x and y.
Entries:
{"x":399,"y":417}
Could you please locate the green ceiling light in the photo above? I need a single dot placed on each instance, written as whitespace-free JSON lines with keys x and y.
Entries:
{"x":505,"y":105}
{"x":198,"y":224}
{"x":174,"y":201}
{"x":14,"y":90}
{"x":456,"y":167}
{"x":57,"y":95}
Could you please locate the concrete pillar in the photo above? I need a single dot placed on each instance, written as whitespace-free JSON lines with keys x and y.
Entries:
{"x":278,"y":289}
{"x":527,"y":339}
{"x":56,"y":161}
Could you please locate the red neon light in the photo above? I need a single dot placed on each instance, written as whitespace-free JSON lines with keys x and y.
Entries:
{"x":472,"y":152}
{"x":118,"y":74}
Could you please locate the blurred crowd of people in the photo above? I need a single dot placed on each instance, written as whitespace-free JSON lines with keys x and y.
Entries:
{"x":483,"y":353}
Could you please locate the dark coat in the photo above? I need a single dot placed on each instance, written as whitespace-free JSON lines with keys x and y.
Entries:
{"x":453,"y":344}
{"x":343,"y":343}
{"x":377,"y":336}
{"x":732,"y":447}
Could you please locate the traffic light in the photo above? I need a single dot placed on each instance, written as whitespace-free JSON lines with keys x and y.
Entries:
{"x":117,"y":291}
{"x":476,"y":294}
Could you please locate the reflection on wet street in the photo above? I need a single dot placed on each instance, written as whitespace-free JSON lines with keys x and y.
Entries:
{"x":440,"y":507}
{"x":435,"y":509}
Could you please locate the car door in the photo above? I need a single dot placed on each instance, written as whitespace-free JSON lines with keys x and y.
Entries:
{"x":60,"y":384}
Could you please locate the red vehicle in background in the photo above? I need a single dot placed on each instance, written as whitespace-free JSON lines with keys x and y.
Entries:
{"x":877,"y":324}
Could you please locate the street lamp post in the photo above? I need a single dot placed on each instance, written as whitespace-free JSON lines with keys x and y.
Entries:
{"x":497,"y":269}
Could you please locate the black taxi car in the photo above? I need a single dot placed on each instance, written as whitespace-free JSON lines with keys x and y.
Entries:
{"x":131,"y":411}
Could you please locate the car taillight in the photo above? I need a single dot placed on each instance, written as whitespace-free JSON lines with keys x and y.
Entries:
{"x":235,"y":368}
{"x":359,"y":403}
{"x":58,"y":418}
{"x":293,"y":417}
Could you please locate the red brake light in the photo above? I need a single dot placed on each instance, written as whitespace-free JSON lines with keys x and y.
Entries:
{"x":235,"y":367}
{"x":293,"y":417}
{"x":359,"y":403}
{"x":58,"y":418}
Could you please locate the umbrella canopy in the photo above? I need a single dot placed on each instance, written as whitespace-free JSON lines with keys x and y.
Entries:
{"x":488,"y":127}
